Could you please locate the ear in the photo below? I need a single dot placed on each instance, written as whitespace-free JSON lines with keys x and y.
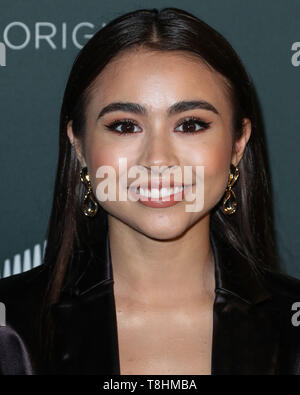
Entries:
{"x":240,"y":144}
{"x":76,"y":143}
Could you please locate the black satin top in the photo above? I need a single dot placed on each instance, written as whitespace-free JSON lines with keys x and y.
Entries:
{"x":253,"y":330}
{"x":14,"y":358}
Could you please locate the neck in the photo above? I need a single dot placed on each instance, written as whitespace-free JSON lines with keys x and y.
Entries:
{"x":162,"y":271}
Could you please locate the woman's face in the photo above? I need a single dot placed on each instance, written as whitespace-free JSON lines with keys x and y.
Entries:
{"x":156,"y":81}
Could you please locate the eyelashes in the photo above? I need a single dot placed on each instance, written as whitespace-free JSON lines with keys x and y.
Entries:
{"x":127,"y":122}
{"x":192,"y":121}
{"x":187,"y":125}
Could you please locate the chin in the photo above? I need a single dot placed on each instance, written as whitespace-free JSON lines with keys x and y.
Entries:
{"x":161,"y":231}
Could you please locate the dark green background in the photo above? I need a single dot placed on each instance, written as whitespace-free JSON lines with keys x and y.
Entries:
{"x":32,"y":84}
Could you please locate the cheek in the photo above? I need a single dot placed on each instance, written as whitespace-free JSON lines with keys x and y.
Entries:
{"x":215,"y":157}
{"x":216,"y":175}
{"x":103,"y":149}
{"x":100,"y":153}
{"x":97,"y":155}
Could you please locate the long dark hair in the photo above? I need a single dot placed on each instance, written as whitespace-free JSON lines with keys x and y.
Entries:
{"x":250,"y":230}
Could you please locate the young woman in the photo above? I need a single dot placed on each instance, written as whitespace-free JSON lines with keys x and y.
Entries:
{"x":141,"y":286}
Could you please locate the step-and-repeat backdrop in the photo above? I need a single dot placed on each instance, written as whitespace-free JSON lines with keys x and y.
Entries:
{"x":39,"y":40}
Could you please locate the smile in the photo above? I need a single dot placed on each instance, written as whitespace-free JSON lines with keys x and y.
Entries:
{"x":158,"y":193}
{"x":159,"y":197}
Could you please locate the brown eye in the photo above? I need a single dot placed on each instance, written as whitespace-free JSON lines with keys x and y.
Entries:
{"x":123,"y":127}
{"x":192,"y":125}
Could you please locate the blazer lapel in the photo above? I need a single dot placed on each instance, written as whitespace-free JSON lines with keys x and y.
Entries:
{"x":246,"y":327}
{"x":245,"y":322}
{"x":86,"y":339}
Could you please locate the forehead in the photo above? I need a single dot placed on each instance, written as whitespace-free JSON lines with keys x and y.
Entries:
{"x":158,"y":79}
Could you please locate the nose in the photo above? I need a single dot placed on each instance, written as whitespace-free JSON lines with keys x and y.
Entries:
{"x":159,"y":150}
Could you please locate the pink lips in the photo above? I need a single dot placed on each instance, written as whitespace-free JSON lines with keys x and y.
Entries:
{"x":161,"y":202}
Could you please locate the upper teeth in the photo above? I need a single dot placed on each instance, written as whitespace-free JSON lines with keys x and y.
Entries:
{"x":158,"y":193}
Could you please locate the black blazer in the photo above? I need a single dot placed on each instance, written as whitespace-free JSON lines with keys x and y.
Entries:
{"x":253,"y":330}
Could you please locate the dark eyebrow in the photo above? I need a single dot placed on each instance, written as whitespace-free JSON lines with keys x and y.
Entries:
{"x":174,"y":109}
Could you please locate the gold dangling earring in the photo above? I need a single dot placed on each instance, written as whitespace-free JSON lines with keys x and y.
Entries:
{"x":229,"y":202}
{"x":89,"y":204}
